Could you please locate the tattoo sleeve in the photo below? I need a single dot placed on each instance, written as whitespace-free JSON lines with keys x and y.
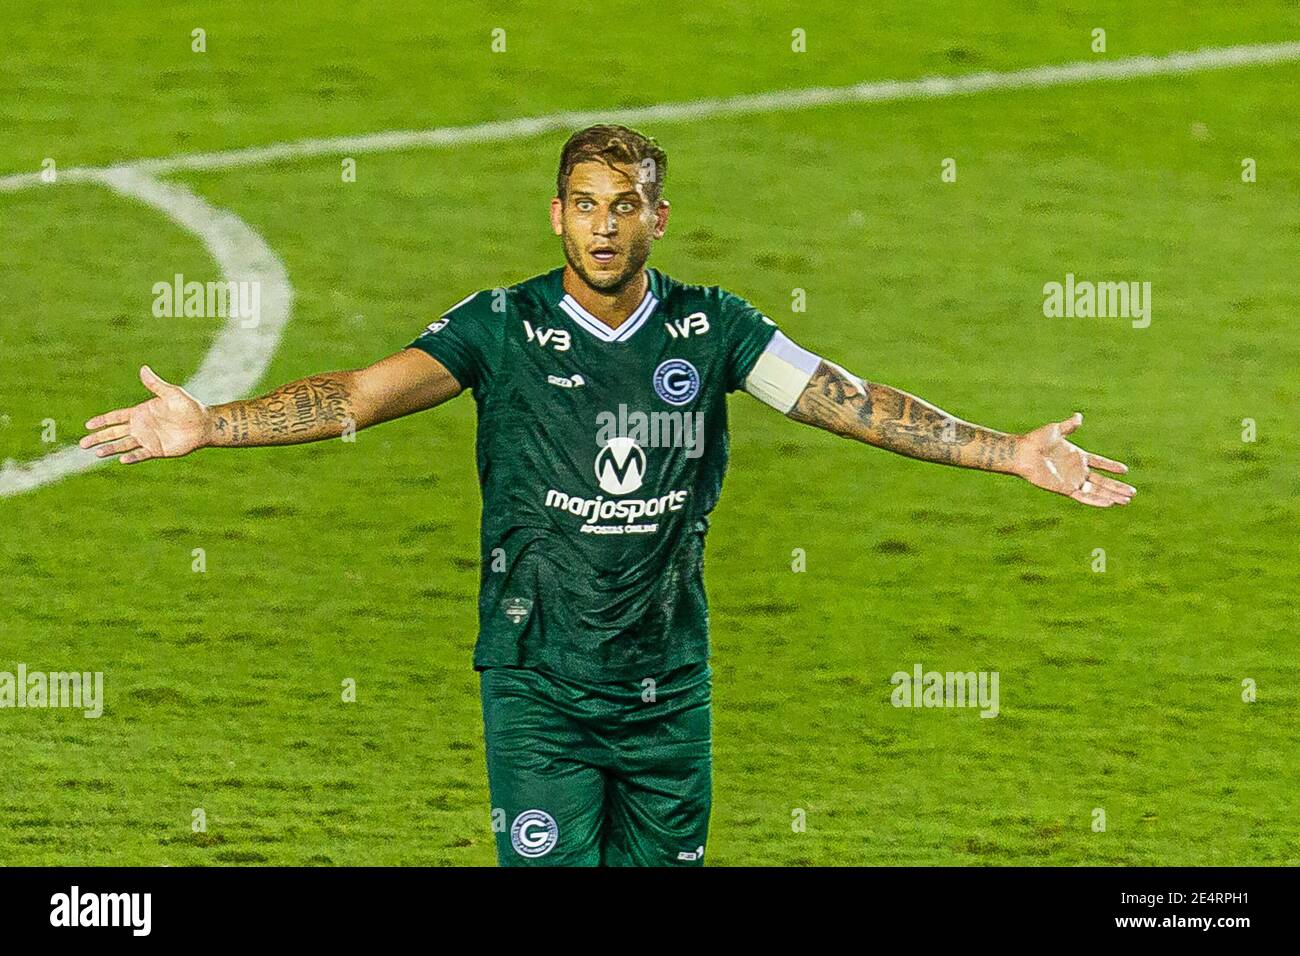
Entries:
{"x":888,"y":418}
{"x":311,"y":409}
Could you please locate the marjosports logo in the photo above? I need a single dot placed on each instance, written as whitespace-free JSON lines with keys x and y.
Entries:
{"x":628,"y":511}
{"x":620,"y":470}
{"x":620,"y":466}
{"x":534,"y":834}
{"x":676,"y":381}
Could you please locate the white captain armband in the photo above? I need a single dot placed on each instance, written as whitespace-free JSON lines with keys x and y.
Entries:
{"x":781,"y":373}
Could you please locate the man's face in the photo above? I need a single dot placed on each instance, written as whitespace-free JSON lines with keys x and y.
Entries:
{"x":607,"y":223}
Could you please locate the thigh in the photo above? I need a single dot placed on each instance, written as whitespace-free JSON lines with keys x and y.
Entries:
{"x":659,"y":792}
{"x":547,"y":799}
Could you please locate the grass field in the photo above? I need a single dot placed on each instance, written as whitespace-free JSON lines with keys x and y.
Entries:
{"x":1120,"y":690}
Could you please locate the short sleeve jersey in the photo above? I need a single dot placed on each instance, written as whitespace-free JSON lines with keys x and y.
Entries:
{"x":601,"y":453}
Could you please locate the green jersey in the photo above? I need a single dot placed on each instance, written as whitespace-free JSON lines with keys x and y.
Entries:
{"x":600,"y":454}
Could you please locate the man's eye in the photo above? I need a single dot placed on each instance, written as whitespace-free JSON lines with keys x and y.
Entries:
{"x":625,"y":207}
{"x":585,"y":205}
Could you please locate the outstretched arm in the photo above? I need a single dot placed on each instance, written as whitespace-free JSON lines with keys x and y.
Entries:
{"x":895,"y":420}
{"x":174,"y":423}
{"x":820,"y":393}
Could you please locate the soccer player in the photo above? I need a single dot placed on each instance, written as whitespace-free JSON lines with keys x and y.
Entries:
{"x":602,"y":442}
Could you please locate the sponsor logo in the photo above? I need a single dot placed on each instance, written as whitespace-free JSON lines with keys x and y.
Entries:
{"x":620,"y":466}
{"x":534,"y":834}
{"x":676,"y":381}
{"x":437,"y":326}
{"x":690,"y":856}
{"x":697,"y":323}
{"x":557,"y":339}
{"x":627,"y":510}
{"x":620,"y":470}
{"x":573,"y":381}
{"x":516,"y":608}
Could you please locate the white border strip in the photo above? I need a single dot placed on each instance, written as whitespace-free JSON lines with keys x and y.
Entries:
{"x":638,"y":318}
{"x":584,"y":319}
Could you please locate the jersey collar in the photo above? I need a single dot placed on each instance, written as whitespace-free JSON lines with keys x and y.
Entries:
{"x":569,"y":305}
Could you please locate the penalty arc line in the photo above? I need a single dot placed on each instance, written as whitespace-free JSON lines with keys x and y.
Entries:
{"x":239,"y":355}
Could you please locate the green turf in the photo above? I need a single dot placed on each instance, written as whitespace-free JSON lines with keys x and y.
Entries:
{"x":1119,"y":690}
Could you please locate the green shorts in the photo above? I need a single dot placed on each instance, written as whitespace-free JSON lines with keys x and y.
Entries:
{"x":615,"y":774}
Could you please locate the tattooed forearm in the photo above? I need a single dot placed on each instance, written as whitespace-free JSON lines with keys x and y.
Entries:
{"x":902,"y":423}
{"x":311,"y":409}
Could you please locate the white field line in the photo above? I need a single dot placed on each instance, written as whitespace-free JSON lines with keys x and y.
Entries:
{"x":238,"y":357}
{"x":1083,"y":71}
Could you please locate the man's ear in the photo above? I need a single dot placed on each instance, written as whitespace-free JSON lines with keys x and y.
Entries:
{"x":557,"y":216}
{"x":661,"y":219}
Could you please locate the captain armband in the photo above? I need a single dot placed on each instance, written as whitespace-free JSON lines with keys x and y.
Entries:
{"x":781,"y":373}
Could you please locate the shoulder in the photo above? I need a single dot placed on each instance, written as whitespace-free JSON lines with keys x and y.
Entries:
{"x":539,"y":292}
{"x":714,"y":300}
{"x":488,"y":307}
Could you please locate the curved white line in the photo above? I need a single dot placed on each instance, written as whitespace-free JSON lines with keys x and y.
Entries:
{"x":1081,"y":71}
{"x":238,"y":357}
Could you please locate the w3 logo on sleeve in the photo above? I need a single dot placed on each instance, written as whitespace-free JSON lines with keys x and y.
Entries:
{"x":697,"y":323}
{"x":558,"y":339}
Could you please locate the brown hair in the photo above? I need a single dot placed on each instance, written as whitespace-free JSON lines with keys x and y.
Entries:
{"x":610,"y":144}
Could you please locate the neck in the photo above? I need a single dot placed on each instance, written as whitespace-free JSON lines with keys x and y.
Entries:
{"x":613,"y":307}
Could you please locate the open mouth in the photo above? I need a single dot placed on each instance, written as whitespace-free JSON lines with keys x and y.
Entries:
{"x":604,"y":256}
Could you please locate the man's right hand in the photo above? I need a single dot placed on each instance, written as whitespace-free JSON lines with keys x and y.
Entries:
{"x":170,"y":425}
{"x":316,"y":408}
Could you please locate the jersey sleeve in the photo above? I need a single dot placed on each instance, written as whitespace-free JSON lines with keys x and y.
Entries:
{"x":748,"y":334}
{"x":459,"y":339}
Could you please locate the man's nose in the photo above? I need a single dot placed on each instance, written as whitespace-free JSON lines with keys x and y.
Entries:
{"x":606,"y":225}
